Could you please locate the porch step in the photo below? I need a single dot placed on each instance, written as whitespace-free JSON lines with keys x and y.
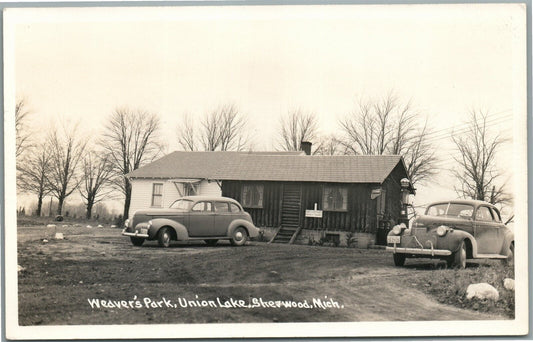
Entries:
{"x":286,"y":234}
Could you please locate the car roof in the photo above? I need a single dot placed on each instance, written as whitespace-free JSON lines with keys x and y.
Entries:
{"x":475,"y":203}
{"x":209,"y":198}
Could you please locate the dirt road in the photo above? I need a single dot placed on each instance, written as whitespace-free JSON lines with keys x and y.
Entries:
{"x":95,"y":276}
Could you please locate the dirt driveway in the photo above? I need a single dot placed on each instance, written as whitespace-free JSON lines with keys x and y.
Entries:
{"x":95,"y":276}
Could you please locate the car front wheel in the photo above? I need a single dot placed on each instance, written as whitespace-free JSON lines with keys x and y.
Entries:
{"x":136,"y":241}
{"x":458,"y":259}
{"x":239,"y":237}
{"x":163,"y":237}
{"x":399,"y":259}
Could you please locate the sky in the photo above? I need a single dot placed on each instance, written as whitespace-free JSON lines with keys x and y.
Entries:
{"x":81,"y":64}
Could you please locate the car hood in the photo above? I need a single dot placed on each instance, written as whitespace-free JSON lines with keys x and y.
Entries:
{"x":434,"y":221}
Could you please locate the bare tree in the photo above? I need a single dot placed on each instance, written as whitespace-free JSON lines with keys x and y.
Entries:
{"x":231,"y":130}
{"x":298,"y":126}
{"x":477,"y":173}
{"x":66,"y":151}
{"x":32,"y":177}
{"x":131,"y":139}
{"x":186,"y":135}
{"x":97,"y":173}
{"x":221,"y":129}
{"x":387,"y":126}
{"x":329,"y":146}
{"x":22,"y":134}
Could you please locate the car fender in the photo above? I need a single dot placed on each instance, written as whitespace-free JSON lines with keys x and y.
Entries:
{"x":508,"y":239}
{"x":179,"y":229}
{"x":253,"y":231}
{"x":458,"y":236}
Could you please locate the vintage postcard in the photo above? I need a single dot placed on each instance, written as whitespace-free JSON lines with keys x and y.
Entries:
{"x":265,"y":171}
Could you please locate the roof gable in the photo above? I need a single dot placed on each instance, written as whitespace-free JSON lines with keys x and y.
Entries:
{"x":271,"y":167}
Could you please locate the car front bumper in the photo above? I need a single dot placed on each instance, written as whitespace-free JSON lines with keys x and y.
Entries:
{"x":419,"y":251}
{"x":135,"y":234}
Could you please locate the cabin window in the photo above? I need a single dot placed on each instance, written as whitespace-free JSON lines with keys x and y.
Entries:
{"x":252,"y":196}
{"x":335,"y":198}
{"x":157,"y":195}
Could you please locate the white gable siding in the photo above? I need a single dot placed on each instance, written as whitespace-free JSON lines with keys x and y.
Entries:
{"x":141,"y":192}
{"x":209,"y":188}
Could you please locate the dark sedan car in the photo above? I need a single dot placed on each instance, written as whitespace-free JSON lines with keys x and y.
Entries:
{"x":454,"y":231}
{"x":193,"y":218}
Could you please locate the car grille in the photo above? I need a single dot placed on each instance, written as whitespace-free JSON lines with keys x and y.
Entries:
{"x":418,"y":231}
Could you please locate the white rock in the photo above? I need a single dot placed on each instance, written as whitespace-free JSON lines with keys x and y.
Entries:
{"x":508,"y":283}
{"x":113,"y":226}
{"x":89,"y":226}
{"x":50,"y":226}
{"x":59,"y":236}
{"x":45,"y":240}
{"x":100,"y":226}
{"x":65,"y":225}
{"x":482,"y":291}
{"x":20,"y":268}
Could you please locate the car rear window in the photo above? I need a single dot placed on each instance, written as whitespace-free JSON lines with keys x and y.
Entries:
{"x":234,"y":208}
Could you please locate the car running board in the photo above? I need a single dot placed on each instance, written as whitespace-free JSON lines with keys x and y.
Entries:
{"x":491,"y":256}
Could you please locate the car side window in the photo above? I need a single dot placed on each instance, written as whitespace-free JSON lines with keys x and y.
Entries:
{"x":234,"y":208}
{"x":484,"y":214}
{"x":221,"y":207}
{"x":496,"y":215}
{"x":201,"y":206}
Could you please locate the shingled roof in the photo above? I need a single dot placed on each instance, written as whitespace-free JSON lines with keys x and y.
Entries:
{"x":270,"y":167}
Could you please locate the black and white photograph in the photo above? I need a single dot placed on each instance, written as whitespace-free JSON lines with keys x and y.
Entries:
{"x":222,"y":170}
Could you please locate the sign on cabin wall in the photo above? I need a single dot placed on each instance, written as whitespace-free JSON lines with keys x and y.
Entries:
{"x":313,"y":213}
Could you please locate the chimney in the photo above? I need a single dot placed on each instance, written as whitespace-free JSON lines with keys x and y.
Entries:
{"x":306,"y":147}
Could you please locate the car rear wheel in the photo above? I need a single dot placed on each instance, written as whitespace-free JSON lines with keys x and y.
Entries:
{"x":211,"y":242}
{"x":399,"y":259}
{"x":163,"y":237}
{"x":136,"y":241}
{"x":458,"y":259}
{"x":239,"y":237}
{"x":510,"y":255}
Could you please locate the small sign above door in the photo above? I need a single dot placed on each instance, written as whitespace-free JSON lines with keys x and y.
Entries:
{"x":313,"y":213}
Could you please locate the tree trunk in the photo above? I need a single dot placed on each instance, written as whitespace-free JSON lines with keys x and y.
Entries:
{"x":59,"y":205}
{"x":89,"y":209}
{"x":127,"y":199}
{"x":39,"y":205}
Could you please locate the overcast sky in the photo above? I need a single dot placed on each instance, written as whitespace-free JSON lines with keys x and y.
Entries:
{"x":83,"y":63}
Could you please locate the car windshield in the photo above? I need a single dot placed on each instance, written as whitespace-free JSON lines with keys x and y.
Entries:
{"x":182,"y":204}
{"x":451,"y":210}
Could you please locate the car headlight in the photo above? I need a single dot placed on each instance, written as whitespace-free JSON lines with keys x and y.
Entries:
{"x":127,"y":223}
{"x":397,"y":229}
{"x":149,"y":224}
{"x":442,"y":230}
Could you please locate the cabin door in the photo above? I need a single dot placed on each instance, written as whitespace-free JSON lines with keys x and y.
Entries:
{"x":290,"y":205}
